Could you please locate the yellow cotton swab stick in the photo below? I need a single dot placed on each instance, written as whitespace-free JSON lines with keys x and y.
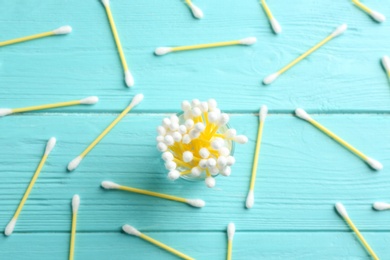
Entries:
{"x":11,"y":225}
{"x":370,"y":161}
{"x":76,"y":161}
{"x":231,"y":229}
{"x":196,"y":11}
{"x":271,"y":78}
{"x":86,"y":101}
{"x":128,"y":77}
{"x":164,"y":50}
{"x":62,"y":30}
{"x":386,"y":64}
{"x":108,"y":185}
{"x":381,"y":206}
{"x":274,"y":23}
{"x":374,"y":14}
{"x":250,"y":199}
{"x":134,"y":232}
{"x":343,"y":213}
{"x":75,"y":209}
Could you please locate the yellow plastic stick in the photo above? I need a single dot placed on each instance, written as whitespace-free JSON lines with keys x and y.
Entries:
{"x":267,"y":10}
{"x":269,"y":79}
{"x":374,"y":14}
{"x":362,"y":6}
{"x":75,"y":162}
{"x":75,"y":208}
{"x":250,"y":198}
{"x":11,"y":225}
{"x":132,"y":231}
{"x":61,"y":30}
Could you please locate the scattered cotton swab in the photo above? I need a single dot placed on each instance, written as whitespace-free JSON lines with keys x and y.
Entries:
{"x":381,"y":206}
{"x":62,"y":30}
{"x":203,"y":145}
{"x":11,"y":225}
{"x":374,"y":14}
{"x":250,"y":199}
{"x":386,"y":64}
{"x":343,"y":213}
{"x":197,"y":203}
{"x":370,"y":161}
{"x":75,"y":209}
{"x":128,"y":77}
{"x":196,"y":11}
{"x":134,"y":232}
{"x":164,"y":50}
{"x":231,"y":229}
{"x":76,"y":161}
{"x":85,"y":101}
{"x":271,"y":78}
{"x":274,"y":23}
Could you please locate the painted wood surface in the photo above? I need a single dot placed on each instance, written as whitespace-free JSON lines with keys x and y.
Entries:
{"x":301,"y":174}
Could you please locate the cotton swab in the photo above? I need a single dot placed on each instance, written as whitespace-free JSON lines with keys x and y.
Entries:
{"x":231,"y":229}
{"x":370,"y":161}
{"x":76,"y":161}
{"x":11,"y":225}
{"x":196,"y":11}
{"x":164,"y":50}
{"x":271,"y":78}
{"x":85,"y":101}
{"x":134,"y":232}
{"x":192,"y":202}
{"x":274,"y":23}
{"x":343,"y":213}
{"x":75,"y":209}
{"x":128,"y":77}
{"x":62,"y":30}
{"x":381,"y":206}
{"x":374,"y":14}
{"x":250,"y":198}
{"x":386,"y":64}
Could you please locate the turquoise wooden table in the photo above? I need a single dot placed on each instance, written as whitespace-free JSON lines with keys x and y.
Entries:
{"x":301,"y":173}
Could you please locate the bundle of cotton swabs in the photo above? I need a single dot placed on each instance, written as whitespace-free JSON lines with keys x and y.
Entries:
{"x":198,"y":142}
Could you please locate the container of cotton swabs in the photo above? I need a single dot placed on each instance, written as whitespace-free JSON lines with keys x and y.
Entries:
{"x":198,"y":143}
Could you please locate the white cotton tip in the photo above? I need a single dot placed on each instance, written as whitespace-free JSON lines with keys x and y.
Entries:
{"x":63,"y":30}
{"x":74,"y":163}
{"x":223,"y":119}
{"x":385,"y":62}
{"x":248,"y":41}
{"x":275,"y":26}
{"x":129,"y":79}
{"x":10,"y":227}
{"x":230,"y":133}
{"x":339,"y":30}
{"x":89,"y":100}
{"x":174,"y":126}
{"x":203,"y":163}
{"x":197,"y":13}
{"x":196,"y":112}
{"x":177,"y":136}
{"x":230,"y":160}
{"x":170,"y":165}
{"x":162,"y":50}
{"x":210,"y":182}
{"x":241,"y":139}
{"x":250,"y":199}
{"x":231,"y":229}
{"x":224,"y":151}
{"x":381,"y":206}
{"x":214,"y":170}
{"x":270,"y":78}
{"x":213,"y":117}
{"x":204,"y":153}
{"x":50,"y":145}
{"x":168,"y":140}
{"x":131,"y":230}
{"x":380,"y":18}
{"x":217,"y":143}
{"x":189,"y":123}
{"x":162,"y":147}
{"x":5,"y":111}
{"x":226,"y":171}
{"x":197,"y":203}
{"x":186,"y":139}
{"x":161,"y":130}
{"x":195,"y":102}
{"x":167,"y":156}
{"x":185,"y":105}
{"x":211,"y":162}
{"x":341,"y":210}
{"x":222,"y":161}
{"x":187,"y":156}
{"x":173,"y":175}
{"x":196,"y":171}
{"x":182,"y":129}
{"x":136,"y":100}
{"x":374,"y":164}
{"x":194,"y":134}
{"x":299,"y":112}
{"x":75,"y":203}
{"x":212,"y":104}
{"x":109,"y":185}
{"x":199,"y":127}
{"x":106,"y":3}
{"x":204,"y":106}
{"x":263,"y":112}
{"x":166,"y":122}
{"x":174,"y":119}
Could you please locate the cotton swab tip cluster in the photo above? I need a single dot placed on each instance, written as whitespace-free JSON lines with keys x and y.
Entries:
{"x":109,"y":185}
{"x":131,"y":230}
{"x":63,"y":30}
{"x":248,"y":41}
{"x":381,"y":206}
{"x":5,"y":111}
{"x":75,"y":203}
{"x":10,"y":227}
{"x":74,"y":163}
{"x":299,"y":112}
{"x":89,"y":100}
{"x":341,"y":210}
{"x":50,"y":145}
{"x":197,"y":203}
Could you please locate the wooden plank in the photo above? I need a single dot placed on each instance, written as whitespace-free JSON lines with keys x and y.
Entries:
{"x":302,"y":173}
{"x":339,"y":77}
